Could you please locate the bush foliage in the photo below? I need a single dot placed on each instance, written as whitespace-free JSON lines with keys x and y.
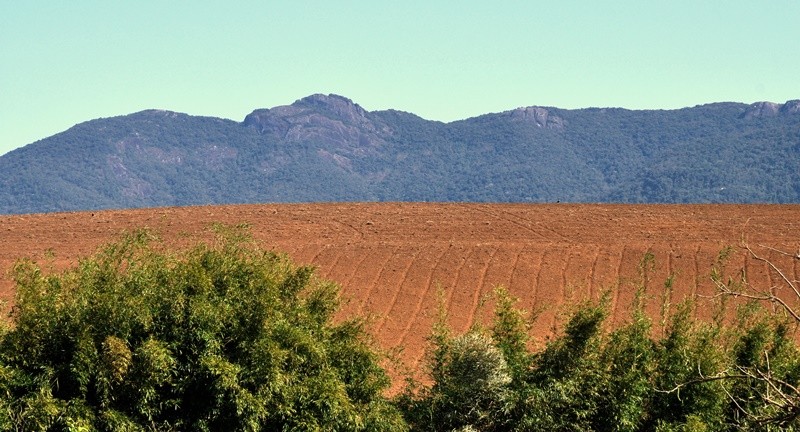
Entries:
{"x":220,"y":337}
{"x":687,"y":376}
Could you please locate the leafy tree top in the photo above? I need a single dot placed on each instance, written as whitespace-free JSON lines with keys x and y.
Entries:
{"x":221,"y":336}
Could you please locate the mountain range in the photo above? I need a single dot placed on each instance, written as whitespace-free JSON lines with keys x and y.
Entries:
{"x":328,"y":148}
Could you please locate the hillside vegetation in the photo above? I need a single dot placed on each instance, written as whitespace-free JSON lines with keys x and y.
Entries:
{"x":327,"y":148}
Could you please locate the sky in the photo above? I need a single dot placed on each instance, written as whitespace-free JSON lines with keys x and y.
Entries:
{"x":65,"y":62}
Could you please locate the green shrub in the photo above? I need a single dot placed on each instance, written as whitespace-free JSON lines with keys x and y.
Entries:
{"x":215,"y":337}
{"x":695,"y":376}
{"x":472,"y":390}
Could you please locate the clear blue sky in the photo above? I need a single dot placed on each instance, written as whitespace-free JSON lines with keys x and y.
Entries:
{"x":64,"y":62}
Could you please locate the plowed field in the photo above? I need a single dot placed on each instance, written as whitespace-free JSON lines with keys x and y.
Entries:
{"x":391,"y":259}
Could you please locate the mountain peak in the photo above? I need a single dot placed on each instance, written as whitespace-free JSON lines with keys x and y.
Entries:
{"x":334,"y":120}
{"x":338,"y":105}
{"x":324,"y":99}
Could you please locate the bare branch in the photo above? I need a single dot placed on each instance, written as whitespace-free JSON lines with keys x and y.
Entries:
{"x":793,"y":255}
{"x":775,"y":268}
{"x":748,"y":292}
{"x":780,"y":397}
{"x":703,"y":379}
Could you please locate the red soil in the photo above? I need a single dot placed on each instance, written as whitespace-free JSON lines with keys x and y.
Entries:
{"x":391,"y":259}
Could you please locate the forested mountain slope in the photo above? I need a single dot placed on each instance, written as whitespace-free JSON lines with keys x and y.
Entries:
{"x":327,"y":148}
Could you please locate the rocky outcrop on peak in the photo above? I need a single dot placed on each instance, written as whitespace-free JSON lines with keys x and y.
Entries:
{"x":791,"y":107}
{"x":337,"y":106}
{"x":761,"y":109}
{"x":541,"y":117}
{"x":332,"y":121}
{"x":771,"y":109}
